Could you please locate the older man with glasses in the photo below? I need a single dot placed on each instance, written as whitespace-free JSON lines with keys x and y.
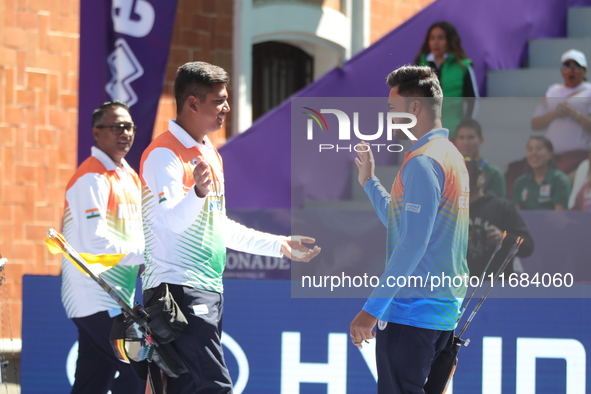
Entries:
{"x":103,"y":216}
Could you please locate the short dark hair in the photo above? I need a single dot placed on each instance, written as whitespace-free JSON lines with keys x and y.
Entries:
{"x":418,"y":81}
{"x":98,"y":116}
{"x":196,"y":79}
{"x":470,"y":123}
{"x":474,"y":172}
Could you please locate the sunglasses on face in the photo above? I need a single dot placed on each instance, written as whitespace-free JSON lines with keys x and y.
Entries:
{"x":118,"y":129}
{"x":574,"y":66}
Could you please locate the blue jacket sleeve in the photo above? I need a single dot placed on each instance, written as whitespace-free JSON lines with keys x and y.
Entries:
{"x":379,"y":198}
{"x":423,"y":181}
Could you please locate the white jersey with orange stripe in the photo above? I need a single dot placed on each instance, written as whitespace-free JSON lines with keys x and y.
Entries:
{"x":186,"y":236}
{"x":102,"y":216}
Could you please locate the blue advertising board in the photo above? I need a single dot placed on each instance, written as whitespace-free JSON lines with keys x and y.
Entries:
{"x":278,"y":344}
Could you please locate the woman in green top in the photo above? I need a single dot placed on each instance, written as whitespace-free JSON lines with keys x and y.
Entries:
{"x":544,"y":187}
{"x":442,"y":51}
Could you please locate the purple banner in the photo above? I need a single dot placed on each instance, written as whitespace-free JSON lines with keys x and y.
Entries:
{"x":124,"y":47}
{"x":561,"y":243}
{"x":494,"y":34}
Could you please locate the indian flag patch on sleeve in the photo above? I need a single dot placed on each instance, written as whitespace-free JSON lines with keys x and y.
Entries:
{"x":92,"y":213}
{"x":161,"y":197}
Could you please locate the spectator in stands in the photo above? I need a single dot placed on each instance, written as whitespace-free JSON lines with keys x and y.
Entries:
{"x":442,"y":51}
{"x":580,"y":196}
{"x":544,"y":187}
{"x":583,"y":198}
{"x":564,"y":114}
{"x":582,"y":177}
{"x":468,"y":140}
{"x":489,"y":217}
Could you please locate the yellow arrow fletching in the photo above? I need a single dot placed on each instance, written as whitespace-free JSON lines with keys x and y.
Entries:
{"x":97,"y":263}
{"x":106,"y":260}
{"x":52,"y":246}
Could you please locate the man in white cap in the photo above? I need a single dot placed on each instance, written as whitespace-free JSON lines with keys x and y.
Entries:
{"x":564,"y":113}
{"x":577,"y":56}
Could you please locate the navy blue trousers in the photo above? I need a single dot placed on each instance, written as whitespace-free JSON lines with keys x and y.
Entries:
{"x":97,"y":364}
{"x":200,"y":345}
{"x":404,"y":355}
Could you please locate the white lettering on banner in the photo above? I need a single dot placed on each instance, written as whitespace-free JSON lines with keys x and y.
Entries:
{"x":243,"y":366}
{"x":571,"y":350}
{"x":71,"y":363}
{"x":334,"y":372}
{"x":228,"y":342}
{"x":133,"y":21}
{"x":294,"y":372}
{"x":368,"y":351}
{"x":125,"y":68}
{"x":240,"y":260}
{"x":492,"y":365}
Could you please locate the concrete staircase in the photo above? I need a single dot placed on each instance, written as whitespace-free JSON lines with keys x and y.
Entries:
{"x":543,"y":60}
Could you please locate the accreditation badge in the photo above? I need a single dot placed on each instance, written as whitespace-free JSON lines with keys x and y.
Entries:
{"x":215,"y":205}
{"x":545,"y":191}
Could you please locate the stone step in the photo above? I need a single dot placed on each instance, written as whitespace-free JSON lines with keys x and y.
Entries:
{"x":546,"y":53}
{"x":521,"y":82}
{"x":579,"y":22}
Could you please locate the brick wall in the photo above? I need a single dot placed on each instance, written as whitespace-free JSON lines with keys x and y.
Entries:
{"x":38,"y":122}
{"x":388,"y":14}
{"x":202,"y":32}
{"x":38,"y":114}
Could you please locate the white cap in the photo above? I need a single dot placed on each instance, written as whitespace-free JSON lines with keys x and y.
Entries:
{"x":575,"y":55}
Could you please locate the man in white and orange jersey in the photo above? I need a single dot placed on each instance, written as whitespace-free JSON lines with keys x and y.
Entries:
{"x":187,"y":230}
{"x":102,"y":216}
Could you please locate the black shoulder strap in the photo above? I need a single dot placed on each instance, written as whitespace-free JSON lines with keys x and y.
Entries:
{"x":156,"y":379}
